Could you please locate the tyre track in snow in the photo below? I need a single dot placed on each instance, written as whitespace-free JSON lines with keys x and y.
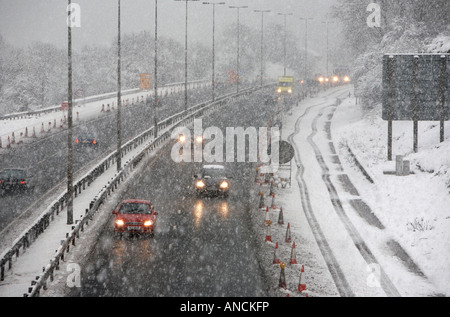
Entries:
{"x":334,"y":268}
{"x":386,"y":284}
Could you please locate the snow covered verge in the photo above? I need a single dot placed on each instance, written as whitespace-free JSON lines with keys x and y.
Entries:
{"x":415,"y":208}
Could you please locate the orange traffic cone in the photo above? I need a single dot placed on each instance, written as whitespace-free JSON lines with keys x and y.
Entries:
{"x":268,"y":234}
{"x":261,"y":200}
{"x":301,"y":284}
{"x":267,"y":218}
{"x":276,"y":259}
{"x":280,"y":217}
{"x":293,"y":255}
{"x":282,"y":281}
{"x":273,"y":201}
{"x":288,"y":233}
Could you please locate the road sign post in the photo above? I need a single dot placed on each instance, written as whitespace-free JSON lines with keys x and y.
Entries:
{"x":415,"y":88}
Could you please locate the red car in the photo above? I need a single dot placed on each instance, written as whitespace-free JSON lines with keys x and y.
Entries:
{"x":135,"y":216}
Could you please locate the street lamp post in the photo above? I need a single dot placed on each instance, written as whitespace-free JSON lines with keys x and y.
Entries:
{"x":213,"y":47}
{"x":262,"y":42}
{"x":285,"y":32}
{"x":155,"y":103}
{"x":238,"y":42}
{"x":186,"y":58}
{"x":69,"y":138}
{"x":119,"y":95}
{"x":306,"y":45}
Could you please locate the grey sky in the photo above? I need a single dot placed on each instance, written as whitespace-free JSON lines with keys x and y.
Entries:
{"x":25,"y":21}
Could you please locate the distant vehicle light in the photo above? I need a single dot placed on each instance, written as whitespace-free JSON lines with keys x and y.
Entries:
{"x":321,"y":79}
{"x":94,"y":142}
{"x":224,"y":185}
{"x":77,"y":141}
{"x":327,"y":79}
{"x":279,"y":90}
{"x":335,"y":79}
{"x":346,"y":79}
{"x":290,"y":91}
{"x":199,"y":139}
{"x":182,"y":138}
{"x":200,"y":184}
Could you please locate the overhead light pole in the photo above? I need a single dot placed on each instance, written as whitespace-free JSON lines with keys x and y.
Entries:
{"x":262,"y":42}
{"x":119,"y":95}
{"x":213,"y":47}
{"x":238,"y":8}
{"x":285,"y":33}
{"x":306,"y":45}
{"x":186,"y":58}
{"x":155,"y":103}
{"x":69,"y":115}
{"x":327,"y":45}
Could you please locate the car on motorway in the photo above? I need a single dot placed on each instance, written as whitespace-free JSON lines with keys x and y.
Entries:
{"x":212,"y":180}
{"x":135,"y":216}
{"x":86,"y":140}
{"x":183,"y":139}
{"x":15,"y":179}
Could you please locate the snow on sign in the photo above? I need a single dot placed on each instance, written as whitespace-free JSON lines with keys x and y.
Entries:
{"x":415,"y":87}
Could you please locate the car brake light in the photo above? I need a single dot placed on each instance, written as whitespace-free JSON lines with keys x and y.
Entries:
{"x":94,"y":142}
{"x":77,"y":141}
{"x":23,"y":182}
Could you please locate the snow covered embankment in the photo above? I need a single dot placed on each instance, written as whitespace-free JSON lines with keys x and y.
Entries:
{"x":415,"y":208}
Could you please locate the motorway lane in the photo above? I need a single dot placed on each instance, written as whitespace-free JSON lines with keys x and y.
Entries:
{"x":202,"y":247}
{"x":46,"y":158}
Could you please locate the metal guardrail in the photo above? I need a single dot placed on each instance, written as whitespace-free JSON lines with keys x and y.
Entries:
{"x":21,"y":115}
{"x":43,"y":221}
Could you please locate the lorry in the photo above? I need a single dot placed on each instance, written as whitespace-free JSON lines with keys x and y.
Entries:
{"x":285,"y":85}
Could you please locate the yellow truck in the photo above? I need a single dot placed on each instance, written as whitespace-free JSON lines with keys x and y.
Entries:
{"x":285,"y":85}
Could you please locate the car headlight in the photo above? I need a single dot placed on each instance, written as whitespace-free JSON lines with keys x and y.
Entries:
{"x":182,"y":138}
{"x":120,"y":222}
{"x":200,"y":184}
{"x":279,"y":90}
{"x":199,"y":139}
{"x":224,"y":185}
{"x":290,"y":91}
{"x":148,"y":223}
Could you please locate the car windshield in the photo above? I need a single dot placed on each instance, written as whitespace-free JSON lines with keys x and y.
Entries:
{"x":213,"y":172}
{"x":135,"y":208}
{"x":13,"y":174}
{"x":284,"y":84}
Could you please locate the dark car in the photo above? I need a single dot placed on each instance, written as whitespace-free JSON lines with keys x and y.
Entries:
{"x":86,"y":140}
{"x":212,"y":180}
{"x":135,"y":216}
{"x":15,"y":179}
